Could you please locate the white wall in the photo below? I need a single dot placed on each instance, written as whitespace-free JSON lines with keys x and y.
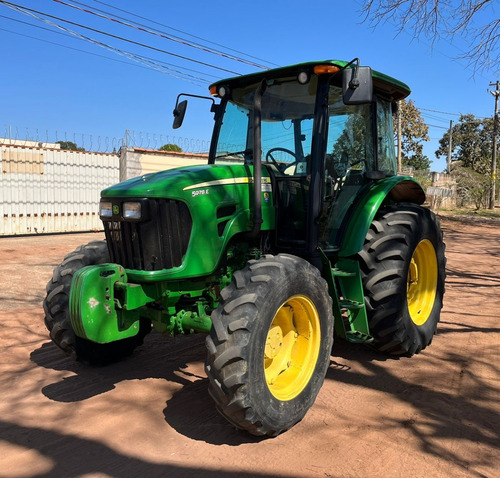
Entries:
{"x":137,"y":161}
{"x":52,"y":190}
{"x":44,"y":189}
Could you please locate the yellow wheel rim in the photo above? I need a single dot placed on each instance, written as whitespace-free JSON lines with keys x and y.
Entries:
{"x":292,"y":347}
{"x":422,"y":282}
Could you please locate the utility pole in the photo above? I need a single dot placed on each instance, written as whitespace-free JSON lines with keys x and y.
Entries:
{"x":450,"y":148}
{"x":496,"y":94}
{"x":399,"y":137}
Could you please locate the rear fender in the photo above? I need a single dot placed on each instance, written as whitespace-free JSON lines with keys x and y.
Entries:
{"x":395,"y":188}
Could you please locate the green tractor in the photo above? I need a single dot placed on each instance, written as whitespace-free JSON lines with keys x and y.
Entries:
{"x":298,"y":229}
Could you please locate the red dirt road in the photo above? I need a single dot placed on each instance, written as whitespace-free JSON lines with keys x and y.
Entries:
{"x":434,"y":415}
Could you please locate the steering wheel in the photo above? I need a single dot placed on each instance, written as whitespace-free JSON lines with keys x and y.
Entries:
{"x":281,"y":167}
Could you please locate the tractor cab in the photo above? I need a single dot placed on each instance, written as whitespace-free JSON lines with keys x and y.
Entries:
{"x":322,"y":130}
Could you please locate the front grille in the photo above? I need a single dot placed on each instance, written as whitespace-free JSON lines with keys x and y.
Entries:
{"x":159,"y":242}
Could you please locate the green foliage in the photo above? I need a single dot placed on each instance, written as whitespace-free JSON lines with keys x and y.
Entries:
{"x":472,"y":187}
{"x":472,"y":140}
{"x":351,"y":145}
{"x":414,"y":132}
{"x":472,"y":143}
{"x":424,"y":177}
{"x":419,"y":162}
{"x":69,"y":145}
{"x":171,"y":147}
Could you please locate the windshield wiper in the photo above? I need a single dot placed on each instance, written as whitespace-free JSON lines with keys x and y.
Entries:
{"x":245,"y":152}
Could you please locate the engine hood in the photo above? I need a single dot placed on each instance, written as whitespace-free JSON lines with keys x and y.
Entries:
{"x":184,"y":182}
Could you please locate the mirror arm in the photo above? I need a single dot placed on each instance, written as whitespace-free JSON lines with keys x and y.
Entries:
{"x":179,"y":112}
{"x":193,"y":96}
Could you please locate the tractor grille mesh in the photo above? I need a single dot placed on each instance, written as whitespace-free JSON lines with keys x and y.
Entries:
{"x":157,"y":243}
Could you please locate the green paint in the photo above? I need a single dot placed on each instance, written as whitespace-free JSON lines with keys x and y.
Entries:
{"x":364,"y":213}
{"x":346,"y":290}
{"x":389,"y":85}
{"x":107,"y":301}
{"x":92,"y":306}
{"x":205,"y":190}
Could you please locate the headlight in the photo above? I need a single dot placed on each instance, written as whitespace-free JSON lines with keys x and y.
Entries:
{"x":105,"y":209}
{"x":131,"y":210}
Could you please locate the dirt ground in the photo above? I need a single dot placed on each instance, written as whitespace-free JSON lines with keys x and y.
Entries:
{"x":434,"y":415}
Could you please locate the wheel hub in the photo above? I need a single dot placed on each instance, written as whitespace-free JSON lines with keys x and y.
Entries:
{"x":274,"y":342}
{"x":292,"y":347}
{"x":422,"y":282}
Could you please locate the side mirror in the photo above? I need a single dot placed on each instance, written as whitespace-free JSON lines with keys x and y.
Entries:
{"x":179,"y":112}
{"x":357,"y":85}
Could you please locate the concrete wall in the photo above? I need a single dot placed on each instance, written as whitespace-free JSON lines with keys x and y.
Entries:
{"x":442,"y":192}
{"x":44,"y":189}
{"x":137,"y":161}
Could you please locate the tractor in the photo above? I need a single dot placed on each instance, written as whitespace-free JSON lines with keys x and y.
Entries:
{"x":298,"y":229}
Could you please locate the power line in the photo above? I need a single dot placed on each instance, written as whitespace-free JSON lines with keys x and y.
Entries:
{"x":441,"y":112}
{"x":435,"y":126}
{"x":31,"y":12}
{"x":176,"y":30}
{"x":71,"y":48}
{"x":162,"y":35}
{"x":446,"y":113}
{"x":159,"y":62}
{"x":434,"y":117}
{"x":143,"y":60}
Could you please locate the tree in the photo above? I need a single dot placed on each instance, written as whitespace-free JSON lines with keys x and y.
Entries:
{"x":171,"y":147}
{"x":414,"y":132}
{"x":472,"y":187}
{"x":471,"y":142}
{"x":351,"y":145}
{"x":474,"y":20}
{"x":69,"y":145}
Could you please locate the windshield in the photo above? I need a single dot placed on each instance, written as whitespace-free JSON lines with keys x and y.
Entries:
{"x":286,"y":126}
{"x":286,"y":130}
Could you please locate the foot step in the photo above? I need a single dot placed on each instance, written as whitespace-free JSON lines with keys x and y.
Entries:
{"x":358,"y":337}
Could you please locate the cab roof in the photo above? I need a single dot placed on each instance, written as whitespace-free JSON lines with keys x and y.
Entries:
{"x":382,"y":84}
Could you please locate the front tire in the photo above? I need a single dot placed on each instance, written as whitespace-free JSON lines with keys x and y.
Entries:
{"x":56,"y":307}
{"x":269,"y":347}
{"x":403,"y":274}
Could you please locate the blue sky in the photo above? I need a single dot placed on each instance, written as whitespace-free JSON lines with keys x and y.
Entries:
{"x":85,"y":93}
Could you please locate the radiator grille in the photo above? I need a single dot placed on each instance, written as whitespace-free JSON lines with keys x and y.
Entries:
{"x":158,"y":243}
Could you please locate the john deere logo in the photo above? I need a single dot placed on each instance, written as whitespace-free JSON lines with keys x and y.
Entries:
{"x":116,"y":209}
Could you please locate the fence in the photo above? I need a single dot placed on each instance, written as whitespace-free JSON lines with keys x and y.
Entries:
{"x":101,"y":144}
{"x":45,"y":189}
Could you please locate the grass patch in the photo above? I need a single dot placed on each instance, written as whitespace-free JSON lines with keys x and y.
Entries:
{"x":493,"y":213}
{"x":472,"y":215}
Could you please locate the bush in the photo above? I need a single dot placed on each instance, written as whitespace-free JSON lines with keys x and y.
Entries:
{"x":472,"y":187}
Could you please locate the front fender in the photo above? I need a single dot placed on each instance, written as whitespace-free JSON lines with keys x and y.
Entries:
{"x":396,"y":188}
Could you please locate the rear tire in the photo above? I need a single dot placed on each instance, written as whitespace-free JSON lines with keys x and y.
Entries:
{"x":403,"y":274}
{"x":56,"y":307}
{"x":269,"y":347}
